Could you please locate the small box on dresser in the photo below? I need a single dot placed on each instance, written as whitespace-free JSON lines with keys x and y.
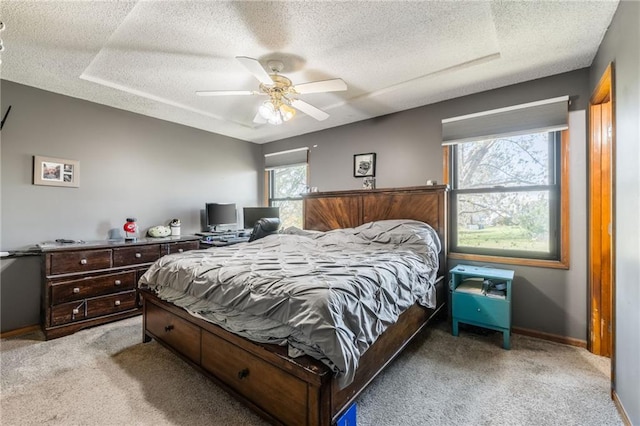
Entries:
{"x":91,"y":283}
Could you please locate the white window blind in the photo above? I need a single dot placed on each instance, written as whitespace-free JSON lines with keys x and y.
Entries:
{"x":541,"y":116}
{"x":292,"y":157}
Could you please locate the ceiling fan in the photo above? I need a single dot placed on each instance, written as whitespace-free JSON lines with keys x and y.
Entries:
{"x":283,"y":101}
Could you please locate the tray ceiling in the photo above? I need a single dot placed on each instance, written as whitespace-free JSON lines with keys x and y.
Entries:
{"x":150,"y":57}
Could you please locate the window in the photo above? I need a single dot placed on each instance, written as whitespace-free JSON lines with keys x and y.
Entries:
{"x":287,"y":180}
{"x":285,"y":186}
{"x":505,"y":198}
{"x":508,"y":172}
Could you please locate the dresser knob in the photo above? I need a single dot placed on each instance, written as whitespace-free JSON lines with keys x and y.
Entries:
{"x":243,"y":373}
{"x":180,"y":250}
{"x":168,"y":328}
{"x":117,"y":282}
{"x":76,"y":290}
{"x":478,"y":309}
{"x":83,"y":261}
{"x":138,"y":255}
{"x":76,"y":311}
{"x":117,"y":303}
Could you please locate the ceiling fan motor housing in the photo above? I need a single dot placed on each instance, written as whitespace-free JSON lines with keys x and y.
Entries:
{"x":282,"y":86}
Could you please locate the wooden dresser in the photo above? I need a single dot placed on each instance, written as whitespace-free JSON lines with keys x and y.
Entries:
{"x":95,"y":282}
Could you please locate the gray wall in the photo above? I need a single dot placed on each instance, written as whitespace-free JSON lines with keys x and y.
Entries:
{"x":215,"y":168}
{"x":408,"y":147}
{"x":620,"y":46}
{"x":131,"y":165}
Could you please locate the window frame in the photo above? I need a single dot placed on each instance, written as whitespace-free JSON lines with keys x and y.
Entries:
{"x":561,"y":258}
{"x":270,"y":187}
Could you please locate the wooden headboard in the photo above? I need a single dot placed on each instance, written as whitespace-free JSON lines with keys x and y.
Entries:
{"x":324,"y":211}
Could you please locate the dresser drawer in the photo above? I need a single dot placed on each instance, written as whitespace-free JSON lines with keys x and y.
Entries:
{"x":91,"y":308}
{"x":182,"y":247}
{"x":175,"y":331}
{"x":136,"y":254}
{"x":481,"y":309}
{"x":68,"y":312}
{"x":259,"y":381}
{"x":106,"y":305}
{"x":79,"y":261}
{"x":92,"y":287}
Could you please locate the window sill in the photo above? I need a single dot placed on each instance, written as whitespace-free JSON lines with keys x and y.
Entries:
{"x":552,"y":264}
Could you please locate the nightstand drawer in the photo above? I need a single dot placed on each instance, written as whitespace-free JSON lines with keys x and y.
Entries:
{"x":136,"y":254}
{"x":481,"y":309}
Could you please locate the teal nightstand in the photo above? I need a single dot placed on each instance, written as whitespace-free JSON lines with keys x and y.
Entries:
{"x":470,"y":305}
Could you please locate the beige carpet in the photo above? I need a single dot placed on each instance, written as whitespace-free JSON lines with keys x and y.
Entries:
{"x":106,"y":376}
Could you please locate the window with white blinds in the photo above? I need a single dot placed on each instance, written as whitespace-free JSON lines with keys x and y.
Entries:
{"x":505,"y":170}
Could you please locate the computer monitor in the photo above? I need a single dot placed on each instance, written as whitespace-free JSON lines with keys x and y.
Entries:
{"x":220,"y":214}
{"x":253,"y":214}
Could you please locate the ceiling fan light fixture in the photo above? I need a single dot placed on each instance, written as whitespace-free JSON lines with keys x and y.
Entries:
{"x":267,"y":110}
{"x":276,"y":115}
{"x":287,"y":112}
{"x":276,"y":120}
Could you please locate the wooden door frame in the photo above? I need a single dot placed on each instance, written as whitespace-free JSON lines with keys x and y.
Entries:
{"x":601,"y":286}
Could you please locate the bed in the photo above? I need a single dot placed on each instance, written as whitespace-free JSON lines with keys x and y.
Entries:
{"x":283,"y":341}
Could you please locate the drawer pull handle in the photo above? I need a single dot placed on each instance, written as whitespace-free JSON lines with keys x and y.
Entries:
{"x":138,"y":255}
{"x":243,"y":373}
{"x":117,"y":303}
{"x":83,"y":261}
{"x":75,"y":311}
{"x":76,"y":290}
{"x":180,"y":250}
{"x":478,"y":309}
{"x":117,"y":282}
{"x":168,"y":328}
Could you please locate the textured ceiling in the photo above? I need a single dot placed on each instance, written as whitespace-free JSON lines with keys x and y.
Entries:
{"x":150,"y":57}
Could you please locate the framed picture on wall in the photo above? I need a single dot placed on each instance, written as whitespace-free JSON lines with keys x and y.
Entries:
{"x":55,"y":171}
{"x":364,"y":165}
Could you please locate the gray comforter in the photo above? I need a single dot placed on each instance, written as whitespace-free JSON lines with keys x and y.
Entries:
{"x":325,"y":294}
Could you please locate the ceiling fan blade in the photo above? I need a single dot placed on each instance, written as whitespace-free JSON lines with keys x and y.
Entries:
{"x":309,"y":109}
{"x":226,"y":92}
{"x":255,"y":68}
{"x":333,"y":85}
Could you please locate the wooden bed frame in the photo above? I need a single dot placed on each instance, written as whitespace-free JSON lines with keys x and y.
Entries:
{"x":303,"y":391}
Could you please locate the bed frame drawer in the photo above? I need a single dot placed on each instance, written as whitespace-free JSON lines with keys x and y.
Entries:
{"x":174,"y":331}
{"x":256,"y":379}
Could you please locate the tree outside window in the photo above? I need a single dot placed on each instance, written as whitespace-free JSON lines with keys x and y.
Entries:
{"x":286,"y":184}
{"x":505,"y":196}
